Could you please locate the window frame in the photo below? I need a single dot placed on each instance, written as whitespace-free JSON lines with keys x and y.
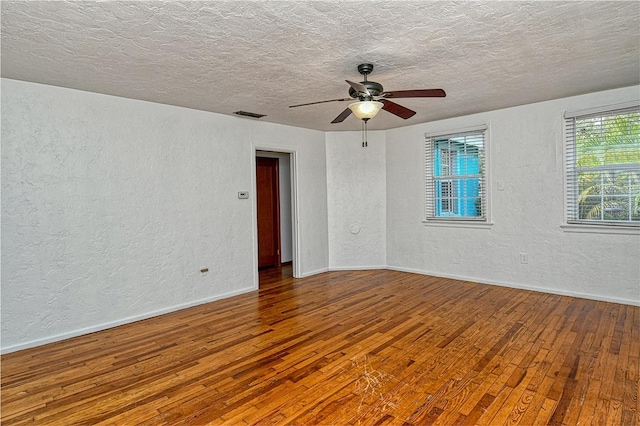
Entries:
{"x":430,"y":218}
{"x":571,"y":222}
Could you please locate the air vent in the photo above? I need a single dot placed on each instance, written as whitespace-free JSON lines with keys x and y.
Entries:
{"x":249,"y":114}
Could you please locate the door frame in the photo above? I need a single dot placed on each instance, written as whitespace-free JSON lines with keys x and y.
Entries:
{"x":295,"y":243}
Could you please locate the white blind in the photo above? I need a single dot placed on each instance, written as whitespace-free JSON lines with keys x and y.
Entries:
{"x":455,"y":176}
{"x":603,"y":167}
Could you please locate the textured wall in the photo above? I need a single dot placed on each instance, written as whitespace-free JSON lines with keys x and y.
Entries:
{"x":111,"y":206}
{"x":526,"y":158}
{"x":356,"y":191}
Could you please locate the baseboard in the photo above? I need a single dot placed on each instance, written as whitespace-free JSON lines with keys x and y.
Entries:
{"x":316,"y":272}
{"x":343,"y":268}
{"x":481,"y":281}
{"x":128,"y":320}
{"x":520,"y":286}
{"x":357,"y":268}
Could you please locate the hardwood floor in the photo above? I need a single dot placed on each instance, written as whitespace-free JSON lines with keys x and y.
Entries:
{"x":365,"y":347}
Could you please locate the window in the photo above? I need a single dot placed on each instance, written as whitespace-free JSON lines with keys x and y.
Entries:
{"x":456,"y":188}
{"x":603,"y":167}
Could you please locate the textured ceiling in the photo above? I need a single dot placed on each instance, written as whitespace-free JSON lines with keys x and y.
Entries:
{"x":261,"y":56}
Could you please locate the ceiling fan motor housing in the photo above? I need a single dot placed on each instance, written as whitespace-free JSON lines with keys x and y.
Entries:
{"x":374,"y":88}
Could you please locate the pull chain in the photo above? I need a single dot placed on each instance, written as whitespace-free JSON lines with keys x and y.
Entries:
{"x":364,"y":133}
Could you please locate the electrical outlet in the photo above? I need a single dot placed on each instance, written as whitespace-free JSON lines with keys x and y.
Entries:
{"x":524,"y":258}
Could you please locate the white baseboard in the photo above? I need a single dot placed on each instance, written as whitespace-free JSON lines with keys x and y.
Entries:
{"x":104,"y":326}
{"x":316,"y":272}
{"x":342,"y":268}
{"x":357,"y":268}
{"x":598,"y":297}
{"x":589,"y":296}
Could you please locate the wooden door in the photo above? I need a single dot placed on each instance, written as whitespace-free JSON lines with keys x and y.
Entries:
{"x":268,"y":200}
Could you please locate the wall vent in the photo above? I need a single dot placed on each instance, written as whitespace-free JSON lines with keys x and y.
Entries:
{"x":249,"y":114}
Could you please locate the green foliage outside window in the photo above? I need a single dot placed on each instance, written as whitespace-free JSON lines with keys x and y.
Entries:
{"x":608,"y":167}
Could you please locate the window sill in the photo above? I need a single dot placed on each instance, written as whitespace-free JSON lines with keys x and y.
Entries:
{"x":601,"y":229}
{"x":458,"y":224}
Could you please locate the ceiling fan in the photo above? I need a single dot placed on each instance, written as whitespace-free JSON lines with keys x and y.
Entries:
{"x":372,"y":98}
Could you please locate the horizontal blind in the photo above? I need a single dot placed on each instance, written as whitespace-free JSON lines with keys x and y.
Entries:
{"x":430,"y":186}
{"x":457,"y":177}
{"x":603,"y":167}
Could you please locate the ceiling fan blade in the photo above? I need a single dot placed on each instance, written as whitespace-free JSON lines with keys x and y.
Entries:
{"x":344,"y":114}
{"x":322,"y":102}
{"x":396,"y":109}
{"x":359,"y":87}
{"x":425,"y":93}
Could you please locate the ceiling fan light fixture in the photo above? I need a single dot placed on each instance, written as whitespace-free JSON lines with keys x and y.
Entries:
{"x":365,"y":110}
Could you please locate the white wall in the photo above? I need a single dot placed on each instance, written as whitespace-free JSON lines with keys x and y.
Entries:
{"x":111,"y":206}
{"x":526,"y":156}
{"x":356,"y":191}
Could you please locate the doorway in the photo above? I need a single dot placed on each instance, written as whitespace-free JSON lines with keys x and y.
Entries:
{"x":268,"y":205}
{"x":267,"y":228}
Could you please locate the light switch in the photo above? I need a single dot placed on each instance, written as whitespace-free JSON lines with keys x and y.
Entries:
{"x":243,"y":195}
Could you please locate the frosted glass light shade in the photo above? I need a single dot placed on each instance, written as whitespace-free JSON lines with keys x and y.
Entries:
{"x":365,"y":110}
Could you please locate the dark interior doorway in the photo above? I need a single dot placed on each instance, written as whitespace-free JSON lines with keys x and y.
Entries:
{"x":268,"y":203}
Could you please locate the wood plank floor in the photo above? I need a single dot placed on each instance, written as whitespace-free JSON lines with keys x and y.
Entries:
{"x":356,"y":348}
